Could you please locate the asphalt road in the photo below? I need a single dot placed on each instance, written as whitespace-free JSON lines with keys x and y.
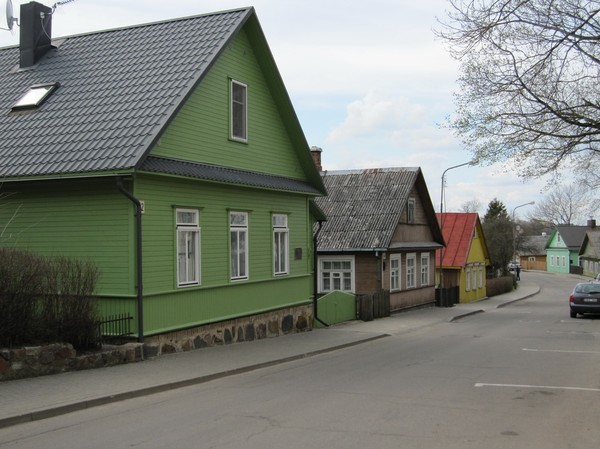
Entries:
{"x":523,"y":376}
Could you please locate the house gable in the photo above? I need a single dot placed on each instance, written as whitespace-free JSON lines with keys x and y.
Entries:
{"x":367,"y":210}
{"x":120,"y":89}
{"x":419,"y":230}
{"x":200,"y":130}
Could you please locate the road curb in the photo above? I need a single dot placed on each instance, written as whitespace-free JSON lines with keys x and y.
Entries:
{"x":499,"y":306}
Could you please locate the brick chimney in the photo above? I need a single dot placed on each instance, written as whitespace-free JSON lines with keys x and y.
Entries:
{"x":315,"y":152}
{"x":35,"y":33}
{"x":591,"y":223}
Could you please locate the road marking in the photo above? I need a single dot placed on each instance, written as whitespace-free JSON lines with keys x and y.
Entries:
{"x":545,"y":387}
{"x":561,"y":350}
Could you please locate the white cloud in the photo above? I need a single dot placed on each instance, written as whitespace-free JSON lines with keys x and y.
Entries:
{"x":378,"y":113}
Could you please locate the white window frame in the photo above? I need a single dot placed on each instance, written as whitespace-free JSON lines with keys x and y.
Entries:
{"x":238,"y":106}
{"x":468,"y":278}
{"x":425,"y":272}
{"x":411,"y":270}
{"x":238,"y":245}
{"x":280,"y":244}
{"x":481,"y":276}
{"x":188,"y":239}
{"x":395,"y":272}
{"x":338,"y":273}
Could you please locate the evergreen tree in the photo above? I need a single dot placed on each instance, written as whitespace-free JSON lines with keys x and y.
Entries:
{"x":498,"y":230}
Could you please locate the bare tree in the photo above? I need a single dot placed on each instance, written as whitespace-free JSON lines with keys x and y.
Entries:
{"x":570,"y":204}
{"x":528,"y":85}
{"x":471,"y":206}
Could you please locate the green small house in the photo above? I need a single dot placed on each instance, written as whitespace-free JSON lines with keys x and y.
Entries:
{"x":562,"y":248}
{"x":169,"y":154}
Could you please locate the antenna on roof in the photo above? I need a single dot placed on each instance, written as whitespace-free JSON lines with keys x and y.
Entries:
{"x":63,"y":2}
{"x":10,"y":17}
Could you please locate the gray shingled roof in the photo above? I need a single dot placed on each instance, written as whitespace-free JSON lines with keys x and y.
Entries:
{"x":533,"y":245}
{"x":363,"y":207}
{"x":118,"y":89}
{"x":592,"y":243}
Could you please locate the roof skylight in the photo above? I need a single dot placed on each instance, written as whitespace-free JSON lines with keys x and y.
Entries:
{"x":35,"y":96}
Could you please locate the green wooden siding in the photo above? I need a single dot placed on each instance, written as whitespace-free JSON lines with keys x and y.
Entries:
{"x":218,"y":297}
{"x":200,"y":130}
{"x":85,"y":219}
{"x":163,"y":195}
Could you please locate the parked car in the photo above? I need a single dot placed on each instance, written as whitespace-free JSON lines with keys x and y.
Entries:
{"x":585,"y":299}
{"x":513,"y":266}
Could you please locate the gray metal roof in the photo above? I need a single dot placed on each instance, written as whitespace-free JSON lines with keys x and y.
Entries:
{"x":571,"y":235}
{"x":118,"y":89}
{"x":223,"y":174}
{"x":363,"y":207}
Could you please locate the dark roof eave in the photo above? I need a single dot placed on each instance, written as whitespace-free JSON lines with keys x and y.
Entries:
{"x":219,"y":174}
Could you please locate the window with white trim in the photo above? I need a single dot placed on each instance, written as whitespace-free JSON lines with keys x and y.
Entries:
{"x":411,"y":267}
{"x":480,"y":277}
{"x":280,"y":243}
{"x":239,"y":111}
{"x":336,"y":273}
{"x":468,"y":278}
{"x":238,"y":231}
{"x":395,"y":270}
{"x":424,"y":269}
{"x":188,"y":247}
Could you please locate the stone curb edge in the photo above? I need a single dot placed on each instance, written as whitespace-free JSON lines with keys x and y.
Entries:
{"x":499,"y":306}
{"x":86,"y":404}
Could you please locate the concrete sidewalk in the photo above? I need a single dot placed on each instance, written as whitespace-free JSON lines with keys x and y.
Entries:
{"x":43,"y":397}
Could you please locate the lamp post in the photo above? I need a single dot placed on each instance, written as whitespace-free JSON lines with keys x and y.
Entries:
{"x":515,"y":228}
{"x":442,"y":221}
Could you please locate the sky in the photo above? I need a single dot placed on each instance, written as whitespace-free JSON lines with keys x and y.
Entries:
{"x":370,"y":83}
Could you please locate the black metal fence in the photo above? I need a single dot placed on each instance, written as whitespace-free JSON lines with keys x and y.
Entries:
{"x":115,"y":327}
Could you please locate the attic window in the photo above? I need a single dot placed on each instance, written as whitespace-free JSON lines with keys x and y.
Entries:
{"x":35,"y":96}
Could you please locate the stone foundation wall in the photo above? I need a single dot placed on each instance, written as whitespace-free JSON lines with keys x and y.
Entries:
{"x":19,"y":363}
{"x":267,"y":325}
{"x":33,"y":361}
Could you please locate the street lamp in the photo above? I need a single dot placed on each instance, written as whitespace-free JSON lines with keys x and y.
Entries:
{"x":442,"y":221}
{"x":515,"y":229}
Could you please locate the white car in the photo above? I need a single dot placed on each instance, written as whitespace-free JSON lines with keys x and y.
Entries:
{"x":513,"y":265}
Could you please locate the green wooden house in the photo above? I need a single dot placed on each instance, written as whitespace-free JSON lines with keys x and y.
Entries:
{"x":562,"y":248}
{"x":170,"y":155}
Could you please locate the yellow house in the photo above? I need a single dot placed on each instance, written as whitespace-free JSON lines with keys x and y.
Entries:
{"x":464,"y":259}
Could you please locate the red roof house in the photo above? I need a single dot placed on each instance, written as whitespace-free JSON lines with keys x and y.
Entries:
{"x":465,"y":257}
